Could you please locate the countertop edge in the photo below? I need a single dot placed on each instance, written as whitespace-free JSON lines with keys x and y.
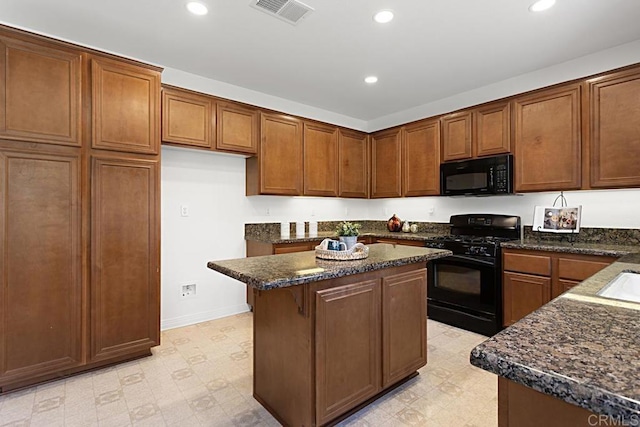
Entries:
{"x":589,"y":397}
{"x":326,"y":274}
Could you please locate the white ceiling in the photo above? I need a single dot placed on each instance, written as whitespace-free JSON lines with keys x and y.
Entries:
{"x":431,"y":50}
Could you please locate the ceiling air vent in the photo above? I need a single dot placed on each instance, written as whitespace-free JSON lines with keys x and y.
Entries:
{"x":290,"y":11}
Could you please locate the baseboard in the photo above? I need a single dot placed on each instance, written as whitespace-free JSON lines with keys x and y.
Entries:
{"x":203,"y":316}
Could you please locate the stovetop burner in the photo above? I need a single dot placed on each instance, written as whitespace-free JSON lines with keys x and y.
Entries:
{"x":478,"y":234}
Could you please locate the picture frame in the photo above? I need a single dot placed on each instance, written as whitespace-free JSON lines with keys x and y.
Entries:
{"x":554,"y":219}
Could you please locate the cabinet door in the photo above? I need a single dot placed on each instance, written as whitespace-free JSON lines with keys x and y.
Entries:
{"x":125,"y":257}
{"x":353,"y":164}
{"x":40,"y":93}
{"x":237,"y":128}
{"x":187,"y":118}
{"x":386,"y":168}
{"x":320,"y":160}
{"x":547,"y":140}
{"x":404,"y":325}
{"x":456,"y":136}
{"x":522,"y":294}
{"x":41,"y":281}
{"x":421,"y":159}
{"x":492,"y":129}
{"x":280,"y":155}
{"x":614,"y":136}
{"x":126,"y":107}
{"x":347,"y":347}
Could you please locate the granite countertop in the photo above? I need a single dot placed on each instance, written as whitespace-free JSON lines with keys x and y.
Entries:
{"x":275,"y":238}
{"x":278,"y":271}
{"x":580,"y":348}
{"x":602,"y":249}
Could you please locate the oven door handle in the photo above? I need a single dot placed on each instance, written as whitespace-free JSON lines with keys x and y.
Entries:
{"x":470,"y":260}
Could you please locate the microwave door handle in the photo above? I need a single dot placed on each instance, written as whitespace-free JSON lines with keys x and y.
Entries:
{"x":470,"y":260}
{"x":491,"y":179}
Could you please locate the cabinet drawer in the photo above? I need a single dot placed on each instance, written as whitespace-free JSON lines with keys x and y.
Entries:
{"x":287,"y":248}
{"x":524,"y":263}
{"x":578,"y":269}
{"x":401,"y":242}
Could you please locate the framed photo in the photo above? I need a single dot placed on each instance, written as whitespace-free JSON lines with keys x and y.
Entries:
{"x":554,"y":219}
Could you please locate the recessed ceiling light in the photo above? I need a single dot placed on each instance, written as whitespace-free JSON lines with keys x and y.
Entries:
{"x":197,"y":8}
{"x":541,"y":5}
{"x":371,"y":79}
{"x":383,"y":16}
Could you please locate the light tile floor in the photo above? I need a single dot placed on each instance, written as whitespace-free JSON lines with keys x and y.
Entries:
{"x":201,"y":376}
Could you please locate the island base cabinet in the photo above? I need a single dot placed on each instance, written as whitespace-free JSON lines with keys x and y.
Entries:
{"x":321,"y":350}
{"x":520,"y":406}
{"x":347,"y":347}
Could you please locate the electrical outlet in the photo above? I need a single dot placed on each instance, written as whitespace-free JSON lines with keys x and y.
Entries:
{"x":267,"y":212}
{"x":188,"y":290}
{"x":184,"y":210}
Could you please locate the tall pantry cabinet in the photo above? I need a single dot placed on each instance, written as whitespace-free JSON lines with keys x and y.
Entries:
{"x":79,"y":209}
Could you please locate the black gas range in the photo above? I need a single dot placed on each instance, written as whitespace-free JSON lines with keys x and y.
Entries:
{"x":465,"y":289}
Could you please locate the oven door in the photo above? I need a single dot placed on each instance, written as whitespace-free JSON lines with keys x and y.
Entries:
{"x":464,"y":281}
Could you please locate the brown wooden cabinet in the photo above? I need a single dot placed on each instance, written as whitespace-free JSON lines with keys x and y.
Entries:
{"x":41,"y":287}
{"x":40,"y":92}
{"x":278,"y":168}
{"x":533,"y":278}
{"x":614,"y":129}
{"x":348,"y":340}
{"x":79,"y":246}
{"x":125,"y":107}
{"x":125,"y":256}
{"x":353,"y":164}
{"x":320,"y":150}
{"x":386,"y":163}
{"x":548,"y":139}
{"x":492,"y":129}
{"x":187,"y":118}
{"x":404,"y":333}
{"x":421,"y":159}
{"x":237,"y":128}
{"x":456,"y":136}
{"x":523,"y":294}
{"x":347,"y":347}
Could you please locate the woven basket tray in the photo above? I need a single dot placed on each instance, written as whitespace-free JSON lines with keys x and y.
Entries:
{"x":358,"y":251}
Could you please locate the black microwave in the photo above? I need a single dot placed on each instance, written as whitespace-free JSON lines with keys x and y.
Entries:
{"x":484,"y":176}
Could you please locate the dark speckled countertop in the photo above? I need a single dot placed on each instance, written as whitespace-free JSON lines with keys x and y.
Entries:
{"x":581,"y":348}
{"x":275,"y":238}
{"x":277,"y":271}
{"x":602,"y":249}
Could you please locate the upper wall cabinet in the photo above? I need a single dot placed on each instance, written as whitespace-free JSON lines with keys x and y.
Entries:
{"x":456,"y":136}
{"x":492,"y":129}
{"x":320,"y":159}
{"x":353,"y":164}
{"x":40,"y":92}
{"x":386,"y":165}
{"x":614,"y":129}
{"x":547,"y":139}
{"x":277,"y":169}
{"x":484,"y":131}
{"x":126,"y":107}
{"x":237,"y":128}
{"x":421,"y":158}
{"x":187,"y":118}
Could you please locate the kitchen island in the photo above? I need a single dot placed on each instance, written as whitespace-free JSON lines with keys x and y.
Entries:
{"x":331,"y":336}
{"x":573,"y":362}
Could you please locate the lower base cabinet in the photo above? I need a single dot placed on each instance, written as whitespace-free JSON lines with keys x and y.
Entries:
{"x":530,"y":279}
{"x":347,"y":340}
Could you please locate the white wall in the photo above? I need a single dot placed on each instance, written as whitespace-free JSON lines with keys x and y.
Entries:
{"x":212,"y":185}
